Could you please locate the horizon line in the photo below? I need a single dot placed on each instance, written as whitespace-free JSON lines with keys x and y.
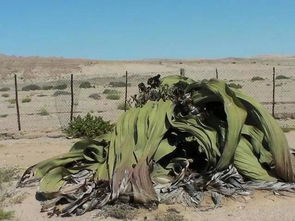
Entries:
{"x":258,"y":56}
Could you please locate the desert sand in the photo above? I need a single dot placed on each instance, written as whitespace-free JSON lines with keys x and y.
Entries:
{"x":42,"y":138}
{"x":28,"y":149}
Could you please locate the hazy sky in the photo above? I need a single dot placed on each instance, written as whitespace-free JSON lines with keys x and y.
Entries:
{"x":136,"y":29}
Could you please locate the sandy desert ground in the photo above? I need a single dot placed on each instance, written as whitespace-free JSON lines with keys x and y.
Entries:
{"x":29,"y":148}
{"x":41,"y":137}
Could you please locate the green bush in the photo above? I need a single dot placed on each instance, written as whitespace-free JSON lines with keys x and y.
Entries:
{"x":95,"y":96}
{"x":47,"y":87}
{"x":257,"y":78}
{"x":4,"y":89}
{"x":3,"y":115}
{"x":57,"y":93}
{"x":43,"y":111}
{"x":287,"y":129}
{"x":110,"y":91}
{"x":5,"y":95}
{"x":279,"y":84}
{"x":42,"y":95}
{"x":113,"y":97}
{"x":121,"y":106}
{"x":85,"y":84}
{"x":281,"y":77}
{"x":60,"y":87}
{"x":234,"y":85}
{"x":88,"y":126}
{"x":12,"y":101}
{"x":119,"y":84}
{"x":31,"y":87}
{"x":26,"y":100}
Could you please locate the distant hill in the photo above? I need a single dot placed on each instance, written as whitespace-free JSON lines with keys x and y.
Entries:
{"x":27,"y":66}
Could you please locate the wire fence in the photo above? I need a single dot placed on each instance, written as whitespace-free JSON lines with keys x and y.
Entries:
{"x":50,"y":105}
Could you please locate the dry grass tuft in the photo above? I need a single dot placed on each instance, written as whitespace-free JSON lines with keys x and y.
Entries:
{"x":6,"y":215}
{"x":118,"y":211}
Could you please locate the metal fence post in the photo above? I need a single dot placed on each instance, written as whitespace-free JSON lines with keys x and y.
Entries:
{"x":126,"y":82}
{"x":182,"y":72}
{"x":72,"y":98}
{"x":216,"y":73}
{"x":16,"y":102}
{"x":273,"y":90}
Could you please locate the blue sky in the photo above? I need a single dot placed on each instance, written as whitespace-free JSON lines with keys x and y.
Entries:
{"x":137,"y":29}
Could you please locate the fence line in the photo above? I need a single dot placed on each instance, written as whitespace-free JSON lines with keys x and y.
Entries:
{"x":17,"y":105}
{"x":216,"y":74}
{"x":126,"y":88}
{"x":64,"y":98}
{"x":72,"y":97}
{"x":273,"y":90}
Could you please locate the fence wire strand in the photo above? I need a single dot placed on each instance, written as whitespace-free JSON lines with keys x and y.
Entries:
{"x":46,"y":106}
